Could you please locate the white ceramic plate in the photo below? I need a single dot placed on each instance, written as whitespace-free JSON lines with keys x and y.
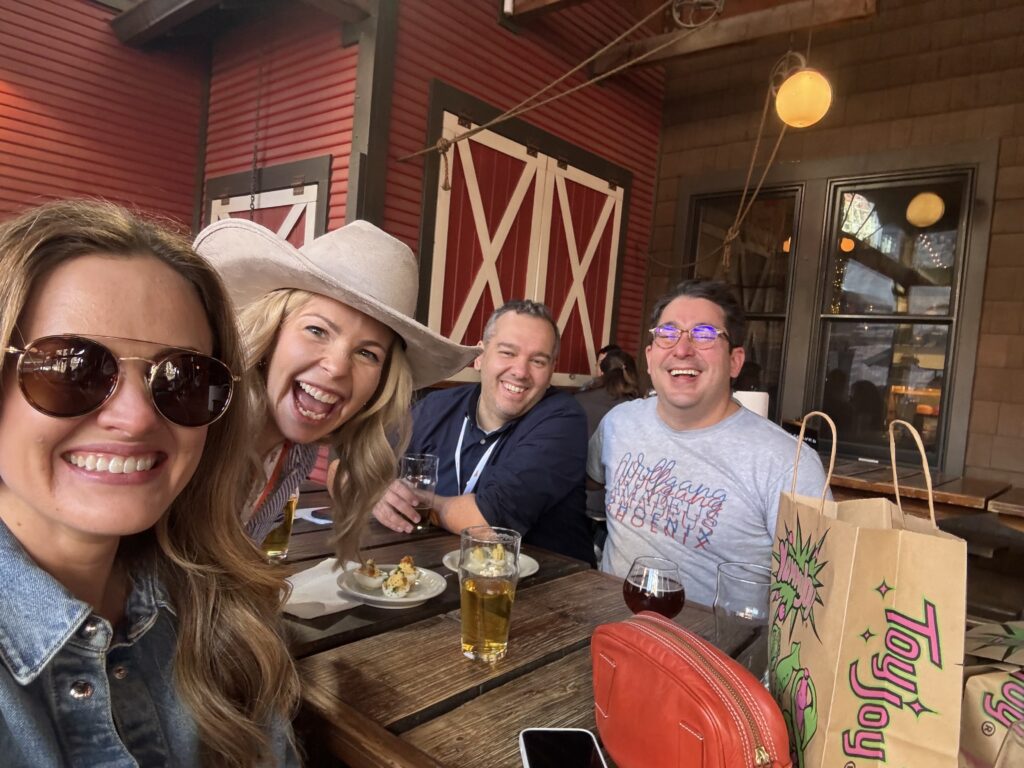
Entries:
{"x":527,"y":565}
{"x":430,"y":584}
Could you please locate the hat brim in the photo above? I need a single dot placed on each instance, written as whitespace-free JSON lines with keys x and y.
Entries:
{"x":253,"y":261}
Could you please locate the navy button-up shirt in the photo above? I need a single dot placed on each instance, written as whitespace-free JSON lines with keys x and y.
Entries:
{"x":534,"y":479}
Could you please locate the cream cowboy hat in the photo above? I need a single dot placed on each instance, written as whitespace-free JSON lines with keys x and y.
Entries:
{"x":359,"y":265}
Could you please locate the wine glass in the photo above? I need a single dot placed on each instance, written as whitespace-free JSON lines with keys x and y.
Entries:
{"x":654,"y":584}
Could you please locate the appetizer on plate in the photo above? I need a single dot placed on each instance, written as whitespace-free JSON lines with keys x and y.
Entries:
{"x":369,"y":576}
{"x":397,"y":584}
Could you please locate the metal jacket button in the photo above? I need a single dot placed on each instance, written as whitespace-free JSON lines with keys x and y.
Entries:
{"x":90,"y":628}
{"x":120,"y":672}
{"x":80,"y":689}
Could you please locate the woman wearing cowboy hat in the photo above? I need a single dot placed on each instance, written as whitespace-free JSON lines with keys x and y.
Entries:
{"x":329,"y":329}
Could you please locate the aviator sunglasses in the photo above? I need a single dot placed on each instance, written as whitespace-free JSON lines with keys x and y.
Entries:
{"x":69,"y":376}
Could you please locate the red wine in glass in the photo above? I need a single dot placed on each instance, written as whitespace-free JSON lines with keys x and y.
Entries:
{"x":654,"y":584}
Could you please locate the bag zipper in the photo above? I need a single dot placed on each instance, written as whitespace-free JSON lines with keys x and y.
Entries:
{"x":761,"y":755}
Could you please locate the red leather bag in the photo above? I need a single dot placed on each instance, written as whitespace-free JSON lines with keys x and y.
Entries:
{"x":666,"y":698}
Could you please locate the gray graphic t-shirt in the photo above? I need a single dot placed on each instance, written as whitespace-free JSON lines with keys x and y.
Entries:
{"x":699,"y":497}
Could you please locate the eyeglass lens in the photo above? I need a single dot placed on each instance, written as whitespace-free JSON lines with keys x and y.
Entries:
{"x":701,"y":336}
{"x":68,"y":376}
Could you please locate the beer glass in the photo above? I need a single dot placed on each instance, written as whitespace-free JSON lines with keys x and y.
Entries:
{"x":741,"y":606}
{"x":488,"y":572}
{"x":275,"y":545}
{"x":419,"y":472}
{"x":654,"y":584}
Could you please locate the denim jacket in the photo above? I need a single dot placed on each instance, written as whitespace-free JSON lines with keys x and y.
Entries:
{"x":75,"y":692}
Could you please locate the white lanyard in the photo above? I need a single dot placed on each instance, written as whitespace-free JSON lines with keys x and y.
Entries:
{"x":471,"y":483}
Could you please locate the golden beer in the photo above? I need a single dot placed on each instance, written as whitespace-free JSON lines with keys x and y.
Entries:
{"x":486,"y":609}
{"x":275,"y":546}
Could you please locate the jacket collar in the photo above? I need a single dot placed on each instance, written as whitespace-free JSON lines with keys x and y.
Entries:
{"x":38,"y":615}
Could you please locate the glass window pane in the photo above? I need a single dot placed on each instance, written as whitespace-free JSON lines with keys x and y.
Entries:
{"x":876,"y":372}
{"x":762,"y":368}
{"x":759,"y":260}
{"x":894,"y":247}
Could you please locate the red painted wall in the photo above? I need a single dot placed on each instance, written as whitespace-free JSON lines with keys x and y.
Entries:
{"x":463,"y":44}
{"x":306,"y":100}
{"x":83,"y":115}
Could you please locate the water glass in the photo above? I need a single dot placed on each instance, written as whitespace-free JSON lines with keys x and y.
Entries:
{"x":419,"y":472}
{"x":741,"y":606}
{"x":488,"y":573}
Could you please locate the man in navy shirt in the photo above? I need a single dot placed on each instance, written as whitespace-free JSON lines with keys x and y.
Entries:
{"x":511,"y":450}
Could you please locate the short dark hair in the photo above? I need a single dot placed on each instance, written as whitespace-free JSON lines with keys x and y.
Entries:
{"x":609,"y":348}
{"x":528,"y":308}
{"x":717,"y":292}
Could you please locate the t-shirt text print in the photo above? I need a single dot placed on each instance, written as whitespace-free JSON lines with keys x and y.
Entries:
{"x":649,"y":494}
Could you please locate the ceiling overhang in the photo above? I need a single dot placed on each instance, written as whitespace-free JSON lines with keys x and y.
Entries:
{"x":150,"y":20}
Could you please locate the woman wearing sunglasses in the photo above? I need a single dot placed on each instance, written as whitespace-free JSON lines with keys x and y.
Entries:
{"x":329,"y":329}
{"x":137,"y":624}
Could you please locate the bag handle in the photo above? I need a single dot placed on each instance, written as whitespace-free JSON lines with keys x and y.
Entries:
{"x":924,"y":465}
{"x":831,"y":460}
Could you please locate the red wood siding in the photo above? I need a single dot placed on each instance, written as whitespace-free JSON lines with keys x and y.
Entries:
{"x":83,"y":115}
{"x":462,"y":44}
{"x":306,"y":103}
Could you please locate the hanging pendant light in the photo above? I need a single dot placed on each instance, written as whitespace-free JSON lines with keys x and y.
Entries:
{"x":803,"y":95}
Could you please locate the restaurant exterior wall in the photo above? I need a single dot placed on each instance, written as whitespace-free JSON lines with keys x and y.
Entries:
{"x":291,"y":66}
{"x":83,"y":116}
{"x":463,"y":45}
{"x":920,"y":74}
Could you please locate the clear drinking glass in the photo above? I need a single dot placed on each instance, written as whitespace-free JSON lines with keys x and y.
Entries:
{"x":1011,"y":754}
{"x":419,"y":472}
{"x":654,"y":584}
{"x":741,"y":606}
{"x":275,"y":545}
{"x":488,"y":572}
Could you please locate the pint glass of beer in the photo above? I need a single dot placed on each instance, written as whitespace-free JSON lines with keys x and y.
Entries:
{"x":488,"y":571}
{"x":275,"y":545}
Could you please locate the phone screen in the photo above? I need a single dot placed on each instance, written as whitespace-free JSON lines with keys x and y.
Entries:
{"x":554,"y":748}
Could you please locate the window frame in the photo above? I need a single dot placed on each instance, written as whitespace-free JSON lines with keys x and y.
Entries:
{"x":802,"y":347}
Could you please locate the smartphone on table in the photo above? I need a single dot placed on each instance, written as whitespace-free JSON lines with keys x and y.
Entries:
{"x":560,"y":748}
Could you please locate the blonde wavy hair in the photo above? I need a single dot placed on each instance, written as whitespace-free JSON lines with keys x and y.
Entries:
{"x":367,"y":445}
{"x":231,"y":666}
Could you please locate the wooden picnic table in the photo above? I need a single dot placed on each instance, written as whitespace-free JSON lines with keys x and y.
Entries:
{"x":408,"y":697}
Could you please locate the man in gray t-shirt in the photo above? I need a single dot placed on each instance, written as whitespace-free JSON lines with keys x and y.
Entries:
{"x":690,"y":475}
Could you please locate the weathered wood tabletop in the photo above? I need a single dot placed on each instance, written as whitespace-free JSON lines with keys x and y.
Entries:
{"x":409,"y":698}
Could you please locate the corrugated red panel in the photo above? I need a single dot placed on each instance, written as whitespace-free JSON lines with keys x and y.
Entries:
{"x":462,"y":44}
{"x":293,"y":65}
{"x":82,"y":115}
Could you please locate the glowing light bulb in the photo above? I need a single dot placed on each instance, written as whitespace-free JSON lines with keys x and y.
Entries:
{"x":804,"y":98}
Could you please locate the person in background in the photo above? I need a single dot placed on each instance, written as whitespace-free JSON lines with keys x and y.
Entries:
{"x":617,"y":383}
{"x":602,"y":353}
{"x":329,"y":331}
{"x":512,"y":449}
{"x":690,"y":475}
{"x":138,"y":624}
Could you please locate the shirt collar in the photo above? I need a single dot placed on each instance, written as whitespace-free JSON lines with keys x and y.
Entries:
{"x":39,"y":615}
{"x":471,"y":406}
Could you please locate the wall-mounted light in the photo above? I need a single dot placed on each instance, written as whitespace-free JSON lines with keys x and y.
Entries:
{"x":925,"y":209}
{"x":787,"y":244}
{"x":846,"y":244}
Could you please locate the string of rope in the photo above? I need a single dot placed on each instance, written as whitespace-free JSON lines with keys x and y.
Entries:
{"x":744,"y":207}
{"x":256,"y":141}
{"x":443,"y":145}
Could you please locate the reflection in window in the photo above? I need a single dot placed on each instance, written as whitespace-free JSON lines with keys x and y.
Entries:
{"x":758,"y":271}
{"x":888,"y":310}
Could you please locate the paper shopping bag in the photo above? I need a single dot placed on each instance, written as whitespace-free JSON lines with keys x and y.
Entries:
{"x":994,"y":691}
{"x":867,"y":636}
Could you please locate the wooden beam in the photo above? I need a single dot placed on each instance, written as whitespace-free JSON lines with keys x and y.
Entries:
{"x":346,"y":11}
{"x":522,"y":10}
{"x":152,"y":18}
{"x":790,"y":17}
